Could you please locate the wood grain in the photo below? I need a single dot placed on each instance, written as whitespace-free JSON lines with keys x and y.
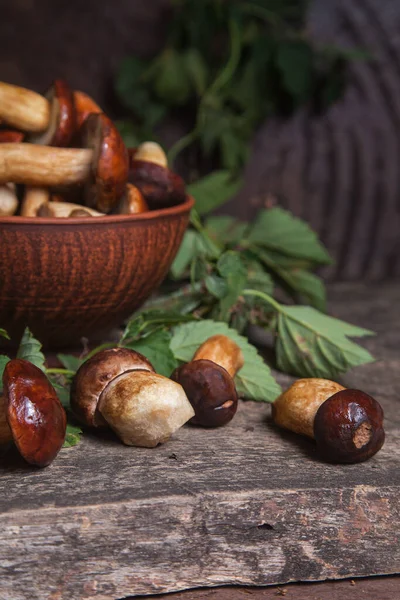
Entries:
{"x":246,"y":504}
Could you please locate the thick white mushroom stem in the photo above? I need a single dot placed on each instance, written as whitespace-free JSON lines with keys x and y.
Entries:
{"x":65,"y":209}
{"x":144,"y":408}
{"x":23,"y":109}
{"x":8,"y":200}
{"x":34,"y":199}
{"x":44,"y":166}
{"x":223,"y":351}
{"x":5,"y":431}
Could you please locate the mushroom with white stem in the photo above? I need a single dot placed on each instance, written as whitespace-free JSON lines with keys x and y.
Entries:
{"x":66,"y":209}
{"x":119,"y":387}
{"x":347,"y":424}
{"x":8,"y":200}
{"x":49,"y":119}
{"x":208,"y":381}
{"x":33,"y":200}
{"x":101,"y":165}
{"x":31,"y":414}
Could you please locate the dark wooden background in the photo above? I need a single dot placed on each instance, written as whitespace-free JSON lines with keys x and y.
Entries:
{"x":339,"y":171}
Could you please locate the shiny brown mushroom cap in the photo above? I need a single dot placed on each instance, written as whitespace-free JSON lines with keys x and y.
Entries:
{"x":62,"y":123}
{"x":348,"y":427}
{"x":160,"y":186}
{"x":210,"y":390}
{"x":95,"y":374}
{"x":109,"y":169}
{"x":34,"y":413}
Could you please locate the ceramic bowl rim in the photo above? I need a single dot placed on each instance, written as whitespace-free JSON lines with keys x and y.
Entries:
{"x":177,"y":210}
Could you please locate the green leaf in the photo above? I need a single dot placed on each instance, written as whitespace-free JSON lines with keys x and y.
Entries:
{"x":4,"y":334}
{"x":231,"y":267}
{"x":295,"y":62}
{"x":3,"y":361}
{"x":196,"y":69}
{"x":156,"y":347}
{"x":127,"y":81}
{"x":187,"y":250}
{"x":312,"y":344}
{"x":70,"y":362}
{"x":212,"y":191}
{"x":310,"y":287}
{"x":170,"y":78}
{"x":254,"y":381}
{"x":73,"y":436}
{"x":30,"y":349}
{"x":226,"y":229}
{"x":277,"y":229}
{"x":147,"y":320}
{"x":62,"y":392}
{"x":216,"y":286}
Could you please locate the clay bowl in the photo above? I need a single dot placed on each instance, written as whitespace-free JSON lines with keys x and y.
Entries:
{"x":71,"y":278}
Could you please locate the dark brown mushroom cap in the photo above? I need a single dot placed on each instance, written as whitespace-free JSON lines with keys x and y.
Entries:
{"x":348,"y":427}
{"x":95,"y":374}
{"x":160,"y":186}
{"x":109,"y":172}
{"x":11,"y":136}
{"x":34,"y":413}
{"x":62,"y":124}
{"x":210,"y":390}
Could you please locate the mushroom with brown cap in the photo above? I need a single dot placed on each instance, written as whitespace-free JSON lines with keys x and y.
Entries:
{"x":131,"y":202}
{"x":10,"y":136}
{"x":160,"y":186}
{"x":84,"y":106}
{"x":102,"y":164}
{"x":119,"y":387}
{"x":208,"y":381}
{"x":31,"y":414}
{"x":50,"y":119}
{"x":347,"y":424}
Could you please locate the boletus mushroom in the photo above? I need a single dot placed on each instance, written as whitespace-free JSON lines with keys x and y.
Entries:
{"x":101,"y":165}
{"x":84,"y":106}
{"x":119,"y":388}
{"x":347,"y":424}
{"x":49,"y":119}
{"x":160,"y":186}
{"x":208,"y":381}
{"x":31,"y":414}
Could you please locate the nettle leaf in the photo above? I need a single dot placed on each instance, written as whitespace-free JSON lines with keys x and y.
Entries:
{"x":156,"y":347}
{"x":4,"y":334}
{"x":72,"y":436}
{"x":62,"y":392}
{"x":309,"y":286}
{"x":232,"y":269}
{"x":226,"y":229}
{"x":254,"y":381}
{"x":3,"y":361}
{"x":277,"y":229}
{"x":152,"y":318}
{"x":216,"y":286}
{"x":171,"y":81}
{"x":311,"y":344}
{"x":70,"y":362}
{"x":30,"y":349}
{"x":197,"y":70}
{"x":213,"y":190}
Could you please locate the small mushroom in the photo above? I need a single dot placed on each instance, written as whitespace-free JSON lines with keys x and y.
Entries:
{"x":151,"y":152}
{"x":31,"y":414}
{"x":160,"y":186}
{"x":347,"y":424}
{"x":102,"y":165}
{"x":35,"y":198}
{"x":132,"y":202}
{"x":8,"y":200}
{"x":61,"y":125}
{"x":208,"y":381}
{"x":119,"y":387}
{"x":66,"y":209}
{"x":84,"y":106}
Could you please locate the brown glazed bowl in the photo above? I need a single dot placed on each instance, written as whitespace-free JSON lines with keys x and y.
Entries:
{"x":71,"y":278}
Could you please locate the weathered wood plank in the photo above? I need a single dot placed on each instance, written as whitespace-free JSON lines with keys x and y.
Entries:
{"x":245,"y":504}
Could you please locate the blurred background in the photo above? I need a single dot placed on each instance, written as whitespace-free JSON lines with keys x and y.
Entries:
{"x":322,"y":135}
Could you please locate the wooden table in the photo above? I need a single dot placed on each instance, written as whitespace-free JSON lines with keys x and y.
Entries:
{"x":246,"y":504}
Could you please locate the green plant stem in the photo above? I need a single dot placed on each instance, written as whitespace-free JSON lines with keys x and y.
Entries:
{"x":104,"y":346}
{"x":220,"y":81}
{"x":66,"y":372}
{"x":266,"y":297}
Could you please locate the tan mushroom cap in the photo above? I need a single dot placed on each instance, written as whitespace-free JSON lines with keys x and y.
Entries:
{"x":144,"y":409}
{"x":95,"y":374}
